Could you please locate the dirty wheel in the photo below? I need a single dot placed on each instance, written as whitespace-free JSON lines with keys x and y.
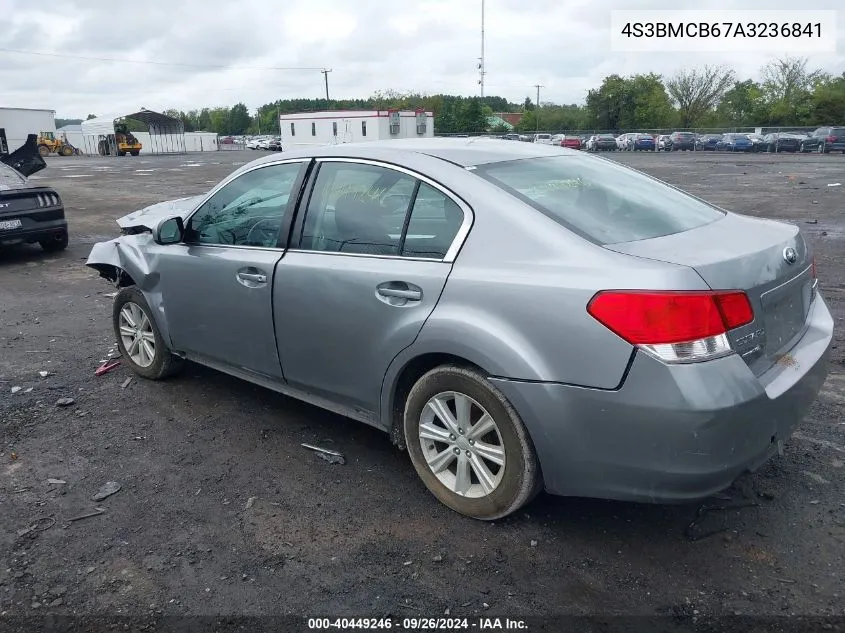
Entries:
{"x":135,"y":152}
{"x":141,"y":345}
{"x":468,"y":444}
{"x":55,"y":244}
{"x":65,"y":151}
{"x":43,"y":150}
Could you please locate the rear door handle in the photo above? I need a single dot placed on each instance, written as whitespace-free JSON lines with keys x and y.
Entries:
{"x":399,"y":293}
{"x":411,"y":295}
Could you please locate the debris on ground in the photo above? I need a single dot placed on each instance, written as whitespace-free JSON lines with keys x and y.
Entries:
{"x":333,"y":457}
{"x":16,"y":389}
{"x":28,"y":390}
{"x":44,"y":374}
{"x":64,"y":402}
{"x":106,"y":367}
{"x":250,"y":502}
{"x":57,"y":482}
{"x":126,"y":382}
{"x":815,"y":477}
{"x":812,"y":221}
{"x":693,"y":531}
{"x":437,"y":558}
{"x":533,"y":543}
{"x":41,"y":524}
{"x":88,"y":515}
{"x":107,"y":490}
{"x":835,"y":184}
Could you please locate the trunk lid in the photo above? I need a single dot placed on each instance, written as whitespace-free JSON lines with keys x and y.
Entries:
{"x":767,"y":259}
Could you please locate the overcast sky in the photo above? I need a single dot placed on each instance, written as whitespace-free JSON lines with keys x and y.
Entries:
{"x":417,"y":45}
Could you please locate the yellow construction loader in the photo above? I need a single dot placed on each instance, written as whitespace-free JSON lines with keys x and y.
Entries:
{"x":49,"y":144}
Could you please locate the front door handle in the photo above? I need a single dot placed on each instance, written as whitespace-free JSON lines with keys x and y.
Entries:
{"x":251,"y":277}
{"x":256,"y":277}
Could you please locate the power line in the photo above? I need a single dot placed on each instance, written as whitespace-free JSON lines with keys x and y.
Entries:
{"x":154,"y":63}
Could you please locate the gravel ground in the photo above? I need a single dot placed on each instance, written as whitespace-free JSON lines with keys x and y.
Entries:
{"x":221,"y":511}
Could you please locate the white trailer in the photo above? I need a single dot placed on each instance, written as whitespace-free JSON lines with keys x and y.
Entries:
{"x":21,"y":122}
{"x":351,"y":126}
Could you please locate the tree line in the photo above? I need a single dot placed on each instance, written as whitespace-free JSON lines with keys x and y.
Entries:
{"x":789,"y":93}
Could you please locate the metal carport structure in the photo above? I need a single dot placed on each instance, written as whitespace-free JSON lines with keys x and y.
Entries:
{"x":167,"y":134}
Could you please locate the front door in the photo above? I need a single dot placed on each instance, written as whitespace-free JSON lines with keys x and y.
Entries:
{"x":371,"y":262}
{"x":217,"y":285}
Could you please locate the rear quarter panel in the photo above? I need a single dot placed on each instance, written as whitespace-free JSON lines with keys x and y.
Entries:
{"x":515,"y":301}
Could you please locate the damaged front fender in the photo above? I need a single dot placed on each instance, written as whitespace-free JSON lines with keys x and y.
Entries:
{"x":126,"y":261}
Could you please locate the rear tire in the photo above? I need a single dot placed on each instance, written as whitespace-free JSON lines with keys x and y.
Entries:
{"x":135,"y":152}
{"x":509,"y":483}
{"x":139,"y":340}
{"x":43,"y":150}
{"x":65,"y":151}
{"x":119,"y":153}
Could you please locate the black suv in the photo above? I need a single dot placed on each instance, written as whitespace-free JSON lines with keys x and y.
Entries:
{"x":28,"y":212}
{"x":824,"y":140}
{"x":682,"y":141}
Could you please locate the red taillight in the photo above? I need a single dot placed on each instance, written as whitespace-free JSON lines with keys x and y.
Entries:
{"x":830,"y":139}
{"x":656,"y":317}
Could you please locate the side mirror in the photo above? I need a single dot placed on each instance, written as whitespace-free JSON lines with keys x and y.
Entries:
{"x":169,"y":231}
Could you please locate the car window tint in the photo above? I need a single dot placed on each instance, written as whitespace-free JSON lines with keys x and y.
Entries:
{"x":602,"y":201}
{"x":435,"y":221}
{"x":248,"y":211}
{"x":357,"y":208}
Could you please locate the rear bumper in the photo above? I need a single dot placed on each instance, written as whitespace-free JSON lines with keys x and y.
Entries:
{"x":671,"y":433}
{"x":39,"y":225}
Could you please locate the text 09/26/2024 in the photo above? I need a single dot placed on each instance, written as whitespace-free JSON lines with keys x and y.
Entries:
{"x":723,"y":31}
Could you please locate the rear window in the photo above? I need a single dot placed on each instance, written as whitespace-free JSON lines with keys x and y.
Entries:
{"x":9,"y":176}
{"x":598,"y":199}
{"x":837,"y":131}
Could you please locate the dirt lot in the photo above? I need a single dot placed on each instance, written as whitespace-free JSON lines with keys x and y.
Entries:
{"x":222,"y":512}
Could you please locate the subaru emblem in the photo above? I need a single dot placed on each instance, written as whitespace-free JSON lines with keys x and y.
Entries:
{"x":790,"y":255}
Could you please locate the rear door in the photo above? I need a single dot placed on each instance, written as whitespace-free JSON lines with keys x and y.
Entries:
{"x":375,"y":246}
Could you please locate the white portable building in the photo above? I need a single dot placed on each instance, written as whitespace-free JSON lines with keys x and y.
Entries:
{"x":352,"y":126}
{"x":21,"y":122}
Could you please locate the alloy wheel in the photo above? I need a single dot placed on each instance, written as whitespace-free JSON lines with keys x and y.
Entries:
{"x":136,"y":333}
{"x":462,"y":444}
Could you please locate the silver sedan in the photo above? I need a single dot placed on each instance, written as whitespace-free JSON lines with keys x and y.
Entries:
{"x":519,"y":317}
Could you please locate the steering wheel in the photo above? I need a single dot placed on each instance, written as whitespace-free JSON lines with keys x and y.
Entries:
{"x":265,"y":232}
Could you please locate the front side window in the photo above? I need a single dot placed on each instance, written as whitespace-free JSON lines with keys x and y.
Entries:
{"x":601,"y":201}
{"x":357,"y":208}
{"x":246,"y":212}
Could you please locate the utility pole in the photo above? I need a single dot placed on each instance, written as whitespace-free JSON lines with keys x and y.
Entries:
{"x":258,"y":120}
{"x":481,"y":72}
{"x":326,"y":72}
{"x":537,"y":107}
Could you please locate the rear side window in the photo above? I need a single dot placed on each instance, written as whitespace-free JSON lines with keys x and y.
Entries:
{"x":372,"y":210}
{"x":837,"y":131}
{"x":600,"y":200}
{"x":435,"y":221}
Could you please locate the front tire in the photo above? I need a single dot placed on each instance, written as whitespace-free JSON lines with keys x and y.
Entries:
{"x":468,"y":444}
{"x":43,"y":150}
{"x":138,"y":338}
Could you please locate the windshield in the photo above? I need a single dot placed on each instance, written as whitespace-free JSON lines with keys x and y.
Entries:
{"x":600,"y":200}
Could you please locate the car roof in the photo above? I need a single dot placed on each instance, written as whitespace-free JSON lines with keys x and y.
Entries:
{"x":465,"y":152}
